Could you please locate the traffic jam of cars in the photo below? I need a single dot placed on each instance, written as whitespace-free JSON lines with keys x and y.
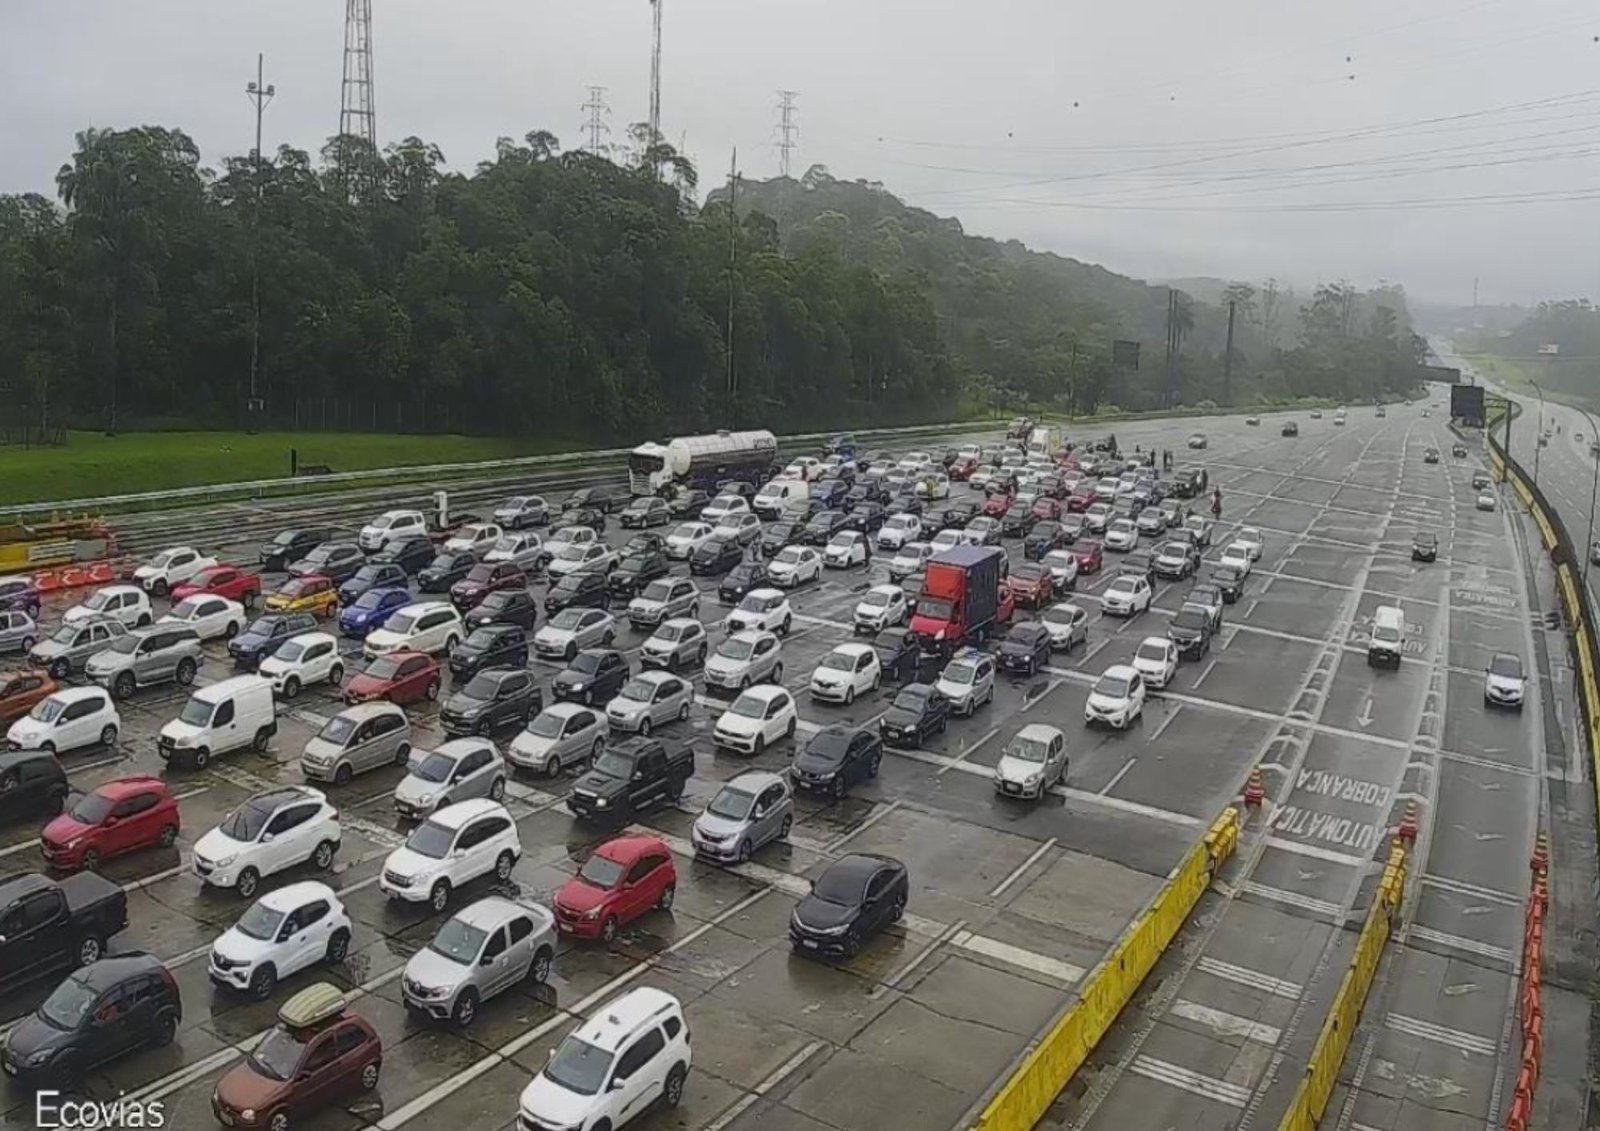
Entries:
{"x":296,"y":799}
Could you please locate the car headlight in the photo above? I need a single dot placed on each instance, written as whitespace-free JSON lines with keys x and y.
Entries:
{"x":225,"y":861}
{"x":39,"y":1058}
{"x":248,"y":1115}
{"x":595,"y":914}
{"x":1033,"y":779}
{"x":600,"y":803}
{"x":425,"y":799}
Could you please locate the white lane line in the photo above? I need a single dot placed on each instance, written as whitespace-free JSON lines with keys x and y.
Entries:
{"x":1190,"y":1081}
{"x":1016,"y":873}
{"x":1161,"y":728}
{"x":1428,"y":1031}
{"x":1227,"y":1024}
{"x":371,"y":830}
{"x":967,"y":751}
{"x":1053,"y":968}
{"x":1293,"y":899}
{"x":1487,"y":763}
{"x":448,"y":1087}
{"x":1461,"y":887}
{"x":1043,"y":695}
{"x":1252,"y":978}
{"x":754,"y":1096}
{"x":1456,"y":942}
{"x":1205,"y":671}
{"x":873,"y":818}
{"x":909,"y":967}
{"x":1316,"y":852}
{"x":1118,"y":776}
{"x":166,"y":874}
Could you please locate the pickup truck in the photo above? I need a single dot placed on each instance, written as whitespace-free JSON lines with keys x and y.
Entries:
{"x":629,"y":778}
{"x":46,"y":925}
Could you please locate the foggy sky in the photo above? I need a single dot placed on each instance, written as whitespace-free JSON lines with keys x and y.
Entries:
{"x":1159,"y":138}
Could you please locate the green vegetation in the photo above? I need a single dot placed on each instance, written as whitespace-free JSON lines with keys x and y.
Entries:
{"x":91,"y":464}
{"x":1512,"y":357}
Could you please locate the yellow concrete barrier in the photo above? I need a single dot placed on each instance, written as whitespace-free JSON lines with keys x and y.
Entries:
{"x":1322,"y":1070}
{"x":1022,"y":1100}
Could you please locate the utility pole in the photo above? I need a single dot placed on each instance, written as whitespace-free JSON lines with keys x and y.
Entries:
{"x":788,"y":129}
{"x":733,"y":257}
{"x":596,"y":125}
{"x":357,"y":111}
{"x":260,"y":93}
{"x":1227,"y":360}
{"x":1172,"y":344}
{"x":655,"y":72}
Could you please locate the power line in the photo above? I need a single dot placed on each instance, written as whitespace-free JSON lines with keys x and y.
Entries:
{"x":1554,"y":196}
{"x":788,"y":129}
{"x":595,"y":124}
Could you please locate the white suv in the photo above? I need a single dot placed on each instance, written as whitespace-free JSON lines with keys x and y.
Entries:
{"x":455,"y":846}
{"x":762,"y":610}
{"x":391,"y":526}
{"x":428,"y":626}
{"x":311,"y":657}
{"x":633,"y":1053}
{"x":270,"y":832}
{"x":282,"y":933}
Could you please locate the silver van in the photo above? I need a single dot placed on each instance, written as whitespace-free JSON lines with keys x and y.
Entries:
{"x":479,"y":952}
{"x":459,"y":770}
{"x":358,"y":739}
{"x":145,"y":657}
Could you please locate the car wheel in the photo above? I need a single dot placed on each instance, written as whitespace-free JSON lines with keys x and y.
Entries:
{"x":145,"y":621}
{"x":90,"y":948}
{"x":168,"y":837}
{"x":700,"y":656}
{"x":263,"y":739}
{"x":60,"y":669}
{"x":644,"y":727}
{"x":439,"y":896}
{"x":160,"y":588}
{"x":402,"y":754}
{"x":108,"y":735}
{"x":745,"y":851}
{"x":761,"y":744}
{"x":672,"y":1090}
{"x":872,"y":766}
{"x":839,"y":787}
{"x":788,"y":823}
{"x":279,"y":1121}
{"x":230,"y":630}
{"x":433,"y":690}
{"x":497,"y":790}
{"x":683,"y":712}
{"x":262,"y":982}
{"x":166,"y":1029}
{"x":788,"y":731}
{"x":202,"y":758}
{"x":503,"y":865}
{"x":338,"y":947}
{"x":849,"y":695}
{"x":694,"y":610}
{"x":369,"y":1075}
{"x":608,"y":929}
{"x":125,"y":686}
{"x":291,"y":687}
{"x":572,"y":650}
{"x":898,"y":909}
{"x":336,"y":674}
{"x":783,"y":629}
{"x":91,"y":860}
{"x":609,"y":638}
{"x":466,"y":1008}
{"x":322,"y":856}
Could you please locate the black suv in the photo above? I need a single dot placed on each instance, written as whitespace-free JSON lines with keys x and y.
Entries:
{"x":103,"y":1011}
{"x":899,"y":654}
{"x":688,"y":504}
{"x":492,"y":699}
{"x":266,"y":634}
{"x":508,"y":606}
{"x":1190,"y":630}
{"x":492,"y":646}
{"x":292,"y":545}
{"x":776,"y":535}
{"x":745,"y":576}
{"x":31,"y":782}
{"x":715,"y":555}
{"x":577,"y":590}
{"x":866,"y":517}
{"x":1026,"y":648}
{"x":917,"y":711}
{"x":594,"y":676}
{"x":1230,"y":580}
{"x":445,"y":570}
{"x":635,"y":572}
{"x":411,"y":553}
{"x":836,"y":758}
{"x":822,"y":526}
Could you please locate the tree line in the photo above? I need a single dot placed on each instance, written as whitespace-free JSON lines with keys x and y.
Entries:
{"x":563,"y":294}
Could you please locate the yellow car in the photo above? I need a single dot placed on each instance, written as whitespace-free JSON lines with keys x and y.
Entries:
{"x":312,"y":593}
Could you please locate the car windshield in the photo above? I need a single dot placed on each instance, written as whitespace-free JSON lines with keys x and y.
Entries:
{"x":1122,"y":586}
{"x":841,"y":886}
{"x":673,"y":633}
{"x":756,"y":603}
{"x":1506,"y":666}
{"x":1191,"y":616}
{"x":911,"y":699}
{"x":278,"y":1056}
{"x":567,"y":619}
{"x":657,"y":591}
{"x":97,"y":600}
{"x":481,"y":686}
{"x":578,"y":1067}
{"x":735,"y":649}
{"x":430,"y":839}
{"x":1027,"y":749}
{"x":123,"y":645}
{"x":838,"y":662}
{"x":614,"y":765}
{"x":196,"y":712}
{"x":1152,"y":650}
{"x":69,"y":1004}
{"x":877,"y":600}
{"x":246,"y":822}
{"x":1113,"y":686}
{"x":186,"y":609}
{"x":546,"y":725}
{"x":1057,"y":615}
{"x":584,"y":663}
{"x":384,"y":667}
{"x":66,"y":634}
{"x":749,"y":707}
{"x":960,"y":671}
{"x":91,"y":808}
{"x":371,"y":599}
{"x":789,"y":556}
{"x":435,"y":767}
{"x":459,"y":942}
{"x":292,"y":651}
{"x":337,"y":730}
{"x":572,"y":552}
{"x":260,"y":922}
{"x":638,"y":690}
{"x":734,"y":804}
{"x":934,"y":608}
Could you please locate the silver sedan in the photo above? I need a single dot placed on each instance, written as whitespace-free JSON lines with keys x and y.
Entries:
{"x":649,"y":700}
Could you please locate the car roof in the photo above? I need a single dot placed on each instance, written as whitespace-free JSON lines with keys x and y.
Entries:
{"x":1040,"y":732}
{"x":312,"y":638}
{"x":628,"y":848}
{"x":860,"y":865}
{"x":290,"y":896}
{"x":282,"y":795}
{"x":490,"y":912}
{"x":361,"y":712}
{"x":77,"y":694}
{"x":1122,"y":671}
{"x":118,"y":788}
{"x":620,"y":1019}
{"x":755,"y":780}
{"x":851,"y":649}
{"x":417,"y":608}
{"x":121,"y":589}
{"x":456,"y":815}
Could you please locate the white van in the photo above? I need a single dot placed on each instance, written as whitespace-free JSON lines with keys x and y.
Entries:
{"x":778,"y":494}
{"x":1388,"y":636}
{"x":224,"y":717}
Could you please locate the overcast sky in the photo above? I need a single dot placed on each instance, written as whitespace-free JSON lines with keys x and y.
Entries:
{"x":1236,"y":138}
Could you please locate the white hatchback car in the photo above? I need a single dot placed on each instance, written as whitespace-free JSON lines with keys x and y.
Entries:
{"x":69,"y":719}
{"x":452,"y":848}
{"x":880,"y":607}
{"x":685,"y":539}
{"x":845,"y":550}
{"x":1063,"y":567}
{"x":1237,"y":555}
{"x":126,"y":603}
{"x":270,"y":832}
{"x":391,"y":526}
{"x":1251,"y":538}
{"x":1122,"y":535}
{"x":1033,"y":761}
{"x":280,"y":934}
{"x":899,"y":530}
{"x":1068,"y":624}
{"x":300,"y":661}
{"x":742,"y":528}
{"x":760,"y":715}
{"x":211,"y":617}
{"x":724,"y":506}
{"x":1127,"y":595}
{"x":1116,"y":699}
{"x":794,"y":565}
{"x":427,"y":626}
{"x":761,"y":610}
{"x":849,"y":670}
{"x":473,"y":538}
{"x":1156,"y":659}
{"x":913,"y":556}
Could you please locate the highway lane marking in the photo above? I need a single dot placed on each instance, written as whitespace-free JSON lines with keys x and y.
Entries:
{"x":1488,"y":763}
{"x":1209,"y":1087}
{"x":754,"y":1096}
{"x":1016,"y":873}
{"x":1118,"y":776}
{"x":873,"y":818}
{"x":1316,"y":852}
{"x":1043,"y":695}
{"x":1429,"y":1031}
{"x":1461,"y":887}
{"x":1205,"y":671}
{"x":967,"y":750}
{"x":1224,"y":1023}
{"x":1161,"y":728}
{"x":1254,"y":979}
{"x":1293,"y":899}
{"x":1456,"y":942}
{"x":909,"y":967}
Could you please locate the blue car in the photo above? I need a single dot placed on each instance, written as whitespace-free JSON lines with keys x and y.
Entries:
{"x":18,"y":595}
{"x":371,"y":609}
{"x":373,"y":575}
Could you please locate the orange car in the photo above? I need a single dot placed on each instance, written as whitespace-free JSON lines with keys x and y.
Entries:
{"x":20,"y":690}
{"x":312,"y":593}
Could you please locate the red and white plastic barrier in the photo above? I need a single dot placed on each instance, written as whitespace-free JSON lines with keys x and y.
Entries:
{"x":1529,"y":994}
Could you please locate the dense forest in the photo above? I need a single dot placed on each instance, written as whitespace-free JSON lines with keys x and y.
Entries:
{"x":561,"y":293}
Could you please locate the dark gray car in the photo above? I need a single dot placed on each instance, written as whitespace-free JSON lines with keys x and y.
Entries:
{"x":494,"y":698}
{"x":68,"y":649}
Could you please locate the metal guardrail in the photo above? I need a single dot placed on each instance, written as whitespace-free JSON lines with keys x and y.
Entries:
{"x":181,"y":496}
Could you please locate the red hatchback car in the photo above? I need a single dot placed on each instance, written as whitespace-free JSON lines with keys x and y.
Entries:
{"x":1081,"y":499}
{"x":118,"y":817}
{"x":221,"y":581}
{"x":399,"y":677}
{"x":622,"y":880}
{"x":997,"y":504}
{"x":1046,"y":507}
{"x":1089,"y":554}
{"x":963,"y":468}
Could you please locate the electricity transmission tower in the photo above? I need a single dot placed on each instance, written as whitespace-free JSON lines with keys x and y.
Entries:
{"x":788,"y":129}
{"x":357,"y":114}
{"x":595,"y":124}
{"x":655,"y":72}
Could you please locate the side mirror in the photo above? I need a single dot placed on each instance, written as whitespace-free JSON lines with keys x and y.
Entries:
{"x":618,"y":1083}
{"x":268,"y":838}
{"x":486,"y":960}
{"x":111,"y":820}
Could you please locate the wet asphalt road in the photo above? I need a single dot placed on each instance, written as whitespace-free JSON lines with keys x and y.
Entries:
{"x":1011,"y":903}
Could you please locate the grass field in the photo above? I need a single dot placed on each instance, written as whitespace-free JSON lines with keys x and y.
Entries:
{"x":91,"y":464}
